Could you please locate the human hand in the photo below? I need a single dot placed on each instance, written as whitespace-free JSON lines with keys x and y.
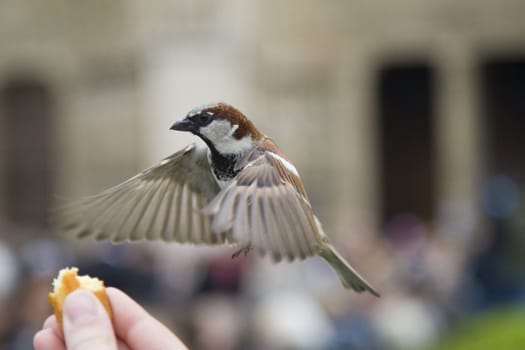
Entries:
{"x":87,"y":326}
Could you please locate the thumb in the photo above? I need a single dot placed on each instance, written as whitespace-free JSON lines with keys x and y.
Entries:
{"x":86,"y":323}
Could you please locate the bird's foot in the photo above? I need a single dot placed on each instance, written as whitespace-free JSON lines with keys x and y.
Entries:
{"x":244,"y":250}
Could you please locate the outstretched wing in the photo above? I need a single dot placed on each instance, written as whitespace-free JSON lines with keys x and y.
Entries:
{"x":162,"y":202}
{"x":266,"y":208}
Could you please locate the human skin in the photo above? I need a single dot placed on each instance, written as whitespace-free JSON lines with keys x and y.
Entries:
{"x":88,"y":326}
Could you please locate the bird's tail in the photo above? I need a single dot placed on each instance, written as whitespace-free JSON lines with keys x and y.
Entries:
{"x":348,"y":276}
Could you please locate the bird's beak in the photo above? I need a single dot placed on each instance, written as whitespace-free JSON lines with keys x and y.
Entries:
{"x":183,"y":125}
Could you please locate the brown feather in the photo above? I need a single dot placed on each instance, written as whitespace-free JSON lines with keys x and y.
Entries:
{"x":235,"y":117}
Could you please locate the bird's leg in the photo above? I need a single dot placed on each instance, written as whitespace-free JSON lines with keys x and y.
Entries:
{"x":243,"y":250}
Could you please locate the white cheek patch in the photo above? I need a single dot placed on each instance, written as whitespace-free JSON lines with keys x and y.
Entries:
{"x":234,"y":146}
{"x":216,"y":130}
{"x":289,"y":166}
{"x":220,"y":133}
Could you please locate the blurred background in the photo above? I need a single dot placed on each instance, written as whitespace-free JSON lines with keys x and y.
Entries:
{"x":406,"y":120}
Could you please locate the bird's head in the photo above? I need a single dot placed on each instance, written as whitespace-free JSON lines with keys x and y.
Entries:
{"x":222,"y":127}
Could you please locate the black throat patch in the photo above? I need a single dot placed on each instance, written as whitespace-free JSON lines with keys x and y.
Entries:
{"x":223,"y":166}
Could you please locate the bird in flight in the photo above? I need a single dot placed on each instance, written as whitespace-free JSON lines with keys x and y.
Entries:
{"x":239,"y":188}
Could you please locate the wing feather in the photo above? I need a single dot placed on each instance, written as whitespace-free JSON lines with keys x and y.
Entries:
{"x":281,"y":236}
{"x":171,"y":213}
{"x":162,"y":202}
{"x":265,"y":207}
{"x":285,"y":217}
{"x":257,"y":225}
{"x":240,"y":224}
{"x":154,"y":212}
{"x":139,"y":213}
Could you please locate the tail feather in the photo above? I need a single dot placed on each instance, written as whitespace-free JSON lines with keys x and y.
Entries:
{"x":349,"y":277}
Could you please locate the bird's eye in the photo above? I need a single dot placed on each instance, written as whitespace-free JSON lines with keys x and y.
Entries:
{"x":203,"y":118}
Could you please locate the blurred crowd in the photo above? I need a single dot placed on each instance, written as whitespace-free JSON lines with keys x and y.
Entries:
{"x":431,"y":276}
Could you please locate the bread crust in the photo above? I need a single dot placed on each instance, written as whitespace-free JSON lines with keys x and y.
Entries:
{"x":68,"y":281}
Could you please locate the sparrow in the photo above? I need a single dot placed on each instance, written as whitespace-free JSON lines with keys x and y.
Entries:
{"x":237,"y":188}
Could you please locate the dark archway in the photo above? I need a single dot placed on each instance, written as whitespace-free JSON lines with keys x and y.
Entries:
{"x":26,"y":106}
{"x":405,"y":94}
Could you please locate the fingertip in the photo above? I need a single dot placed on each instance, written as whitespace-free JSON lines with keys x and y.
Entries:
{"x":86,"y":323}
{"x":114,"y":293}
{"x":46,"y":339}
{"x":39,"y":339}
{"x":51,"y":323}
{"x":48,"y":323}
{"x":81,"y":306}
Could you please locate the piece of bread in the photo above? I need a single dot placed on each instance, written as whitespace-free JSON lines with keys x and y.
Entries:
{"x":68,"y":281}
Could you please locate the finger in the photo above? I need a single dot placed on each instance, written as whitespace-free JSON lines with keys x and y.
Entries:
{"x":136,"y":327}
{"x":46,"y":339}
{"x":86,"y":323}
{"x":48,"y":323}
{"x":51,"y":323}
{"x":122,"y":346}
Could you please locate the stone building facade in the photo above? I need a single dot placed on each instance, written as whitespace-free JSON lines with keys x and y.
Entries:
{"x":106,"y":79}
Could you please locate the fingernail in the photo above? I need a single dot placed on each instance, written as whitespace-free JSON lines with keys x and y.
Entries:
{"x":80,"y":307}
